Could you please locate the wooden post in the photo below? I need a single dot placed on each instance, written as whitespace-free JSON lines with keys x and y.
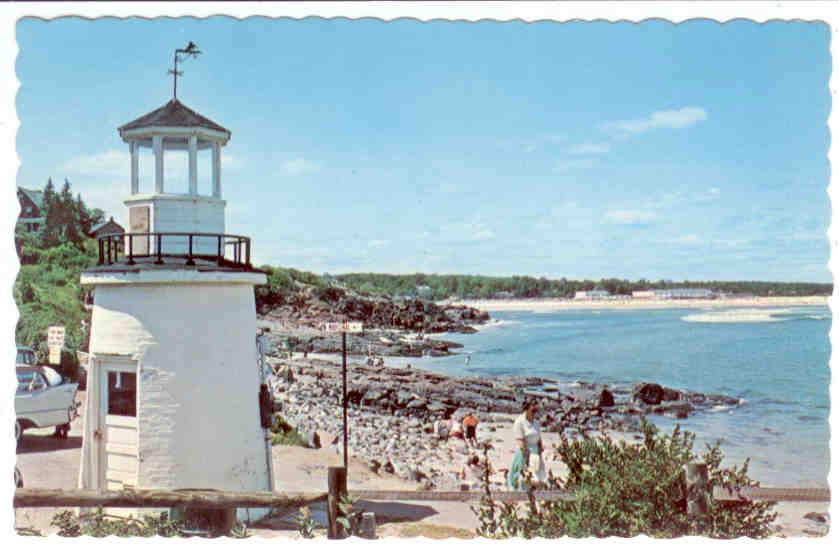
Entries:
{"x":368,"y":526}
{"x":337,"y":481}
{"x":697,"y":490}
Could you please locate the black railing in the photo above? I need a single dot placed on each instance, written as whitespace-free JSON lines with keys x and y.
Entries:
{"x":128,"y":247}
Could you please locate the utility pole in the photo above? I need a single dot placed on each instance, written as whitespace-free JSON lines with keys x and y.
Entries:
{"x":344,"y":378}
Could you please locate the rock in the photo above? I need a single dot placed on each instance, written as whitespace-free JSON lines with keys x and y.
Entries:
{"x":651,"y":393}
{"x":374,"y":465}
{"x":606,"y":399}
{"x":821,"y":518}
{"x":388,"y":467}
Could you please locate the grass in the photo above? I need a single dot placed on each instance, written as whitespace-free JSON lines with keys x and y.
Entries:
{"x":421,"y":529}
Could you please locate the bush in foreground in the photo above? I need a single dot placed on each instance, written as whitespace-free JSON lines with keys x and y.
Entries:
{"x":626,"y":490}
{"x":283,"y":433}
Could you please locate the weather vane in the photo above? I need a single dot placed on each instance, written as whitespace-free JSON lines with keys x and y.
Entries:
{"x":191,"y":50}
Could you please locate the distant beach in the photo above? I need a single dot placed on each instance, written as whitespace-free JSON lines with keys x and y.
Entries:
{"x":555,"y":304}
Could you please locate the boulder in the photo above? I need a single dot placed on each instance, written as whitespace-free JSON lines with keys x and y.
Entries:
{"x":821,"y":518}
{"x":651,"y":393}
{"x":606,"y":399}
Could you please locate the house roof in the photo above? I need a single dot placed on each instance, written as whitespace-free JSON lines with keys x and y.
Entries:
{"x":173,"y":114}
{"x":102,"y":224}
{"x":35,"y":195}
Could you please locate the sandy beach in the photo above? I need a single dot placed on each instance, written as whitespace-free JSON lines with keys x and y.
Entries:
{"x":551,"y":305}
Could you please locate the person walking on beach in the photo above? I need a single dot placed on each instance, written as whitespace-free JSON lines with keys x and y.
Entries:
{"x":528,"y":454}
{"x":455,"y":429}
{"x":470,"y":424}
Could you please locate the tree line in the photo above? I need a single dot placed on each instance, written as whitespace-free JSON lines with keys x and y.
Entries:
{"x":442,"y":286}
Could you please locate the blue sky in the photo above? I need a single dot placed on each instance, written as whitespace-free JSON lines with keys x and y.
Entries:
{"x":582,"y":150}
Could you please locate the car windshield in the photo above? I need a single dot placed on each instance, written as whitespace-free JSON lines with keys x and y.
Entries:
{"x":53,"y":377}
{"x":25,"y":357}
{"x":24,"y":379}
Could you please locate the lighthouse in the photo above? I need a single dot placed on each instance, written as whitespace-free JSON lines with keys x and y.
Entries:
{"x":174,"y":378}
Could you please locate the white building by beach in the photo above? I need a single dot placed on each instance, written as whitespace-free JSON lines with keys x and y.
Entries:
{"x":173,"y":382}
{"x":643,"y":294}
{"x":592,"y":294}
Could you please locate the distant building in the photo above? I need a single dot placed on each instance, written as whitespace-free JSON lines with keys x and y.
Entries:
{"x":685,"y":293}
{"x":592,"y":294}
{"x":32,"y":215}
{"x":103,"y":228}
{"x":643,"y":294}
{"x":423,"y":292}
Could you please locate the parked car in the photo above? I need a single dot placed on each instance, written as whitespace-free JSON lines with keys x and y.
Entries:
{"x":25,"y":356}
{"x":44,"y":399}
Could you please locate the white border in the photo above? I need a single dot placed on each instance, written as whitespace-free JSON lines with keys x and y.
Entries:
{"x":425,"y":11}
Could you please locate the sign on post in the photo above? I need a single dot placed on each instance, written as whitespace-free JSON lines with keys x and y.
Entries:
{"x":55,"y":342}
{"x":343,"y":327}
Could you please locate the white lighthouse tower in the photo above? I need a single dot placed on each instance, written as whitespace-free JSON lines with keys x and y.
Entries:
{"x":173,"y":381}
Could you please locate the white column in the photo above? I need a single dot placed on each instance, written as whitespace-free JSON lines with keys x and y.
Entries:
{"x":133,"y":148}
{"x":157,"y":144}
{"x":216,"y":170}
{"x":193,"y":165}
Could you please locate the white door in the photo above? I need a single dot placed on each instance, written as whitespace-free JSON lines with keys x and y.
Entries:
{"x":117,"y":431}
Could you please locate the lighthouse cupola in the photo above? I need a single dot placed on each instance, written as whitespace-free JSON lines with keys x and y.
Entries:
{"x":169,"y":131}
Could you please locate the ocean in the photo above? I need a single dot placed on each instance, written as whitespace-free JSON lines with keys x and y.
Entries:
{"x":775,"y":360}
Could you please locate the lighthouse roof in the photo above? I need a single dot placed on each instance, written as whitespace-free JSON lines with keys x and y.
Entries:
{"x":173,"y":114}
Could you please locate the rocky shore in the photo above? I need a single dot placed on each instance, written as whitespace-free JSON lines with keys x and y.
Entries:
{"x":392,"y":327}
{"x":393,"y":411}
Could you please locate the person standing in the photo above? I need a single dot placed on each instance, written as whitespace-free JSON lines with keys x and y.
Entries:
{"x":470,"y":425}
{"x":528,"y":454}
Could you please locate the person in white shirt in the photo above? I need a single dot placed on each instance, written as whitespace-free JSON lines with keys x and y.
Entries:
{"x":528,"y":453}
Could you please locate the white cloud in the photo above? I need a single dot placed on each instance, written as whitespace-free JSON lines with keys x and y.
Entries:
{"x":111,"y":163}
{"x":630,"y":217}
{"x":688,"y":240}
{"x":377,"y":243}
{"x":590,"y":149}
{"x":299,"y":166}
{"x":662,"y":119}
{"x":467,"y":231}
{"x":567,"y":165}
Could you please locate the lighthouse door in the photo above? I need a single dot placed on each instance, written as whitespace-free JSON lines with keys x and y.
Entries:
{"x":117,"y":425}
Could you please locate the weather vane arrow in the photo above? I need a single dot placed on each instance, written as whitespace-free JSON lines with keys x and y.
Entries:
{"x":190,"y":51}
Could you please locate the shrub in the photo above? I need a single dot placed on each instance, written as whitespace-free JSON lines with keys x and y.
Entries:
{"x":283,"y":433}
{"x":626,"y":489}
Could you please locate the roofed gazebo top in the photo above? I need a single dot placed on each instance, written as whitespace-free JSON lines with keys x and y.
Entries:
{"x":173,"y":115}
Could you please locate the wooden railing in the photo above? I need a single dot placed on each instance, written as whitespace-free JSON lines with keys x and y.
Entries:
{"x":696,"y":480}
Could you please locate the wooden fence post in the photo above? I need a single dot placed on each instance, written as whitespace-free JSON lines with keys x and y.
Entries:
{"x":367,"y":530}
{"x":337,"y":481}
{"x":697,"y":490}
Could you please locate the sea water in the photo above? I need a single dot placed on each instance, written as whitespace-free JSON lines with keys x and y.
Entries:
{"x":775,"y":360}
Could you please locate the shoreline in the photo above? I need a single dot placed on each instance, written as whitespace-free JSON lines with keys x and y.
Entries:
{"x":556,"y":304}
{"x":416,"y":458}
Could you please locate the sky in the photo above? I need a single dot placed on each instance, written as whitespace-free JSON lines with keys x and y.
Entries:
{"x":581,"y":150}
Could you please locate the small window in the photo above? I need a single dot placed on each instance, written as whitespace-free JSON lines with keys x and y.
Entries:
{"x":28,"y":209}
{"x":122,"y":393}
